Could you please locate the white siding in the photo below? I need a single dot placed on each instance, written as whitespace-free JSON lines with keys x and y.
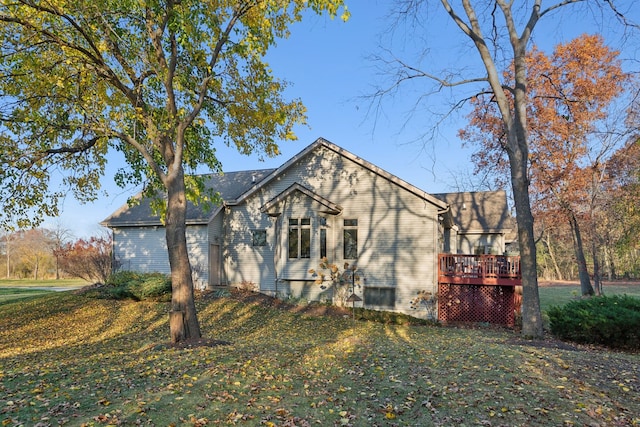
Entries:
{"x":397,"y":230}
{"x":242,"y":261}
{"x":144,"y":249}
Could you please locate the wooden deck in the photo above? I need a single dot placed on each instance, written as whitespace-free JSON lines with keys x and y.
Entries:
{"x":492,"y":270}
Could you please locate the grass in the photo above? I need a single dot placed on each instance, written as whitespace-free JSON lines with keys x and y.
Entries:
{"x":68,"y":359}
{"x":559,"y":295}
{"x":13,"y":289}
{"x":11,"y":294}
{"x":48,"y":283}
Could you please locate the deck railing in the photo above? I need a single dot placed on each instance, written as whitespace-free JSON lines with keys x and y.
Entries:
{"x":496,"y":270}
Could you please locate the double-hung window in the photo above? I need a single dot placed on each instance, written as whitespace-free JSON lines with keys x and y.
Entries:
{"x":299,"y":237}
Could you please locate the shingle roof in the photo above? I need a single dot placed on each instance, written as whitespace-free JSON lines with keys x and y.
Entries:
{"x":230,"y":186}
{"x":482,"y":210}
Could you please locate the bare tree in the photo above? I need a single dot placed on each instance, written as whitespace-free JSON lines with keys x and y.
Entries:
{"x":499,"y":32}
{"x":60,"y":235}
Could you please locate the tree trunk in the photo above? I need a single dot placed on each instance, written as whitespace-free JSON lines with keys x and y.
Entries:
{"x":518,"y":152}
{"x":183,"y":321}
{"x":552,"y":255}
{"x":597,"y":272}
{"x":583,"y":273}
{"x":608,"y":261}
{"x":531,"y":316}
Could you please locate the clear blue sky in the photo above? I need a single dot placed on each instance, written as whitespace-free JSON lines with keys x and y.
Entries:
{"x":328,"y":64}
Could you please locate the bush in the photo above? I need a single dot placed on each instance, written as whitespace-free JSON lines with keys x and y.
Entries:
{"x":610,"y":321}
{"x":138,"y":286}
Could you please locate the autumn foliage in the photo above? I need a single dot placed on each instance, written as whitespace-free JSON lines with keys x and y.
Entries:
{"x":571,"y":92}
{"x":87,"y":259}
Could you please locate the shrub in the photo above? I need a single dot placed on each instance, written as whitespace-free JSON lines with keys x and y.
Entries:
{"x":138,"y":286}
{"x":86,"y":259}
{"x":610,"y":321}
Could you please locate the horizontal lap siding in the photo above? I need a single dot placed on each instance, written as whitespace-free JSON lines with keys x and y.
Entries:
{"x":242,"y":261}
{"x":144,"y":249}
{"x":397,"y":230}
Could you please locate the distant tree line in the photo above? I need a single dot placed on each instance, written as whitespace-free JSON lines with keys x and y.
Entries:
{"x":42,"y":253}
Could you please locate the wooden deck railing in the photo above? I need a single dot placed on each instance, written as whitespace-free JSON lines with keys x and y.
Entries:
{"x":496,"y":270}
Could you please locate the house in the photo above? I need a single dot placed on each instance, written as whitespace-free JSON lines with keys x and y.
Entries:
{"x":482,"y":223}
{"x":274,"y":225}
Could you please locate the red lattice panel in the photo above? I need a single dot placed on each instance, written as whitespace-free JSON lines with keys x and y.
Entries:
{"x":476,"y":303}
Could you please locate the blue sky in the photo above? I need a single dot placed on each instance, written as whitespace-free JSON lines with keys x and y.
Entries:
{"x":328,"y":64}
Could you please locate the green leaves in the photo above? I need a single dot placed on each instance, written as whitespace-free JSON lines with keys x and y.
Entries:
{"x":161,"y":82}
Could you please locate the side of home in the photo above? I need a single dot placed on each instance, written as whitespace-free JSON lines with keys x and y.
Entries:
{"x":277,"y":224}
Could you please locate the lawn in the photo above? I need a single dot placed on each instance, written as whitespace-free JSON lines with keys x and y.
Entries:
{"x":12,"y":289}
{"x":10,"y":294}
{"x":49,"y":283}
{"x":560,"y":293}
{"x":80,"y":361}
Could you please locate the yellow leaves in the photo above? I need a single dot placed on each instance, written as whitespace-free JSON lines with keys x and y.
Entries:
{"x":287,"y":369}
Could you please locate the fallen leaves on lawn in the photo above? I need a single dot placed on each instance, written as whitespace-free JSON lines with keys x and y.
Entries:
{"x":72,"y":360}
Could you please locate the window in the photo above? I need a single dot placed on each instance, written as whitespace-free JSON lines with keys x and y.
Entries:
{"x":323,"y":243}
{"x":350,"y":239}
{"x":299,"y":238}
{"x":259,"y":237}
{"x":380,"y":297}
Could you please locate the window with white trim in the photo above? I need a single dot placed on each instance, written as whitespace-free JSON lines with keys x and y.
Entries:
{"x":299,"y":238}
{"x":350,"y":241}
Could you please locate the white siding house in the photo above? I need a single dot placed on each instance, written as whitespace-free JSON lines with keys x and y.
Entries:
{"x":277,"y":224}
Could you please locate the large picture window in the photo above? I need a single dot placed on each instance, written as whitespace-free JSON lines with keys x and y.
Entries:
{"x":350,"y":239}
{"x":299,"y":238}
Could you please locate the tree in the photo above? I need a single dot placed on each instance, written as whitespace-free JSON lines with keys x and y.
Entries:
{"x":161,"y":82}
{"x":60,"y":234}
{"x":86,"y":259}
{"x":622,"y":188}
{"x":499,"y":32}
{"x":32,"y":252}
{"x":570,"y":94}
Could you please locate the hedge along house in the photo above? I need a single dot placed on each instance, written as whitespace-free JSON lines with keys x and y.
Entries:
{"x":274,"y":225}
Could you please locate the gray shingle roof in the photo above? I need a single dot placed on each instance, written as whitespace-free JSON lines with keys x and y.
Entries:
{"x":482,"y":210}
{"x":230,"y":186}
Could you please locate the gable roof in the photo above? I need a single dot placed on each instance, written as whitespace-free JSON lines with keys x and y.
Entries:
{"x":321,"y":142}
{"x":230,"y":186}
{"x":235,"y":187}
{"x":330,"y":207}
{"x":482,"y":211}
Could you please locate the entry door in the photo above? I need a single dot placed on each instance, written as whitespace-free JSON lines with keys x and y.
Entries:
{"x":214,"y":265}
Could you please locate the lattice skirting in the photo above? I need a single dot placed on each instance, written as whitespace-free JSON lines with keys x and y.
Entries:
{"x":476,"y":303}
